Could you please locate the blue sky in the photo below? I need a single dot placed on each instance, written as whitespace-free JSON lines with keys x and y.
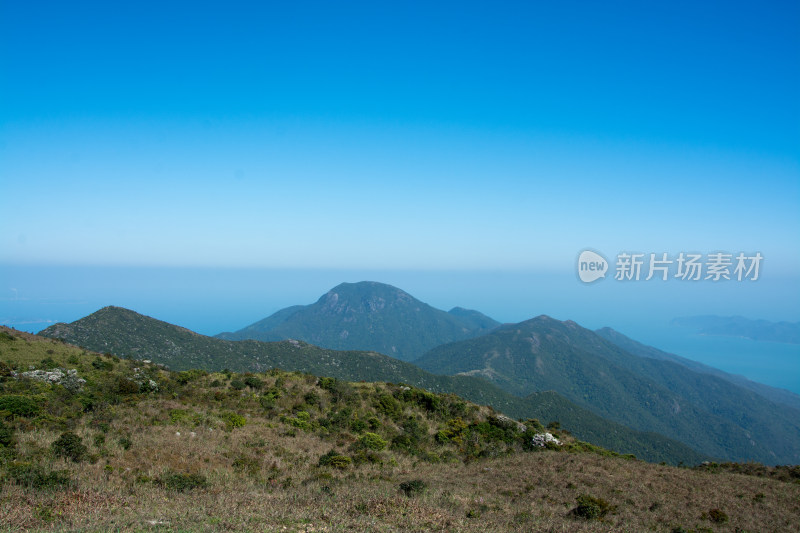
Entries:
{"x":402,"y":141}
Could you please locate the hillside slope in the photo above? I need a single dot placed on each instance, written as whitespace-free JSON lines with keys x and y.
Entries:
{"x":128,"y":446}
{"x":125,"y":333}
{"x":704,"y":411}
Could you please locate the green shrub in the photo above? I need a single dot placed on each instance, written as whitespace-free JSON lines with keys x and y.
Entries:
{"x":341,"y":391}
{"x":70,"y":446}
{"x":372,"y":441}
{"x":453,"y":432}
{"x":6,"y":435}
{"x":414,"y":433}
{"x":99,"y":364}
{"x":415,"y":486}
{"x":301,"y":421}
{"x":253,"y":382}
{"x":182,"y":482}
{"x":48,"y":363}
{"x":326,"y":383}
{"x":717,"y":516}
{"x":267,"y":403}
{"x":234,"y":420}
{"x":238,"y":384}
{"x":388,"y":405}
{"x":335,"y":460}
{"x":427,"y":400}
{"x":591,"y":508}
{"x":179,"y":416}
{"x":20,"y":405}
{"x":358,"y":425}
{"x":190,"y":375}
{"x":249,"y":465}
{"x":125,"y":443}
{"x":126,"y":386}
{"x":312,"y":398}
{"x":35,"y":476}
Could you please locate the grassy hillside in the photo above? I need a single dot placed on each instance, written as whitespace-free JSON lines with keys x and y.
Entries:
{"x":369,"y":316}
{"x":125,"y":333}
{"x":710,"y":414}
{"x":139,"y":448}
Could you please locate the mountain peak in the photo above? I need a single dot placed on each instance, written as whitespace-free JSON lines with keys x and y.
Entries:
{"x":369,"y":315}
{"x":364,"y":296}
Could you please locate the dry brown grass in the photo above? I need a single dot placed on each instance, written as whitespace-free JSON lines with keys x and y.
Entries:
{"x":264,"y":476}
{"x":286,"y":491}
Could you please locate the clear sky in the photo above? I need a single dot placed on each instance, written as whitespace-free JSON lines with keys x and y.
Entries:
{"x":391,"y":139}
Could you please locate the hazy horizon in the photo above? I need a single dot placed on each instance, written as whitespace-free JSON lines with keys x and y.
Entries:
{"x":209,"y":164}
{"x":210,"y":301}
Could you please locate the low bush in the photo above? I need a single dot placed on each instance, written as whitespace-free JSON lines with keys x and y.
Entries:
{"x":591,"y":508}
{"x":717,"y":516}
{"x":19,"y":405}
{"x":234,"y":420}
{"x":37,"y":477}
{"x":126,"y":386}
{"x":99,"y":364}
{"x":183,"y":482}
{"x":253,"y":382}
{"x":70,"y":446}
{"x":413,"y":487}
{"x":335,"y":460}
{"x":6,"y":435}
{"x":372,"y":441}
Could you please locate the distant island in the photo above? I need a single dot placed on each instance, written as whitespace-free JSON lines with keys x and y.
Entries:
{"x":737,"y":326}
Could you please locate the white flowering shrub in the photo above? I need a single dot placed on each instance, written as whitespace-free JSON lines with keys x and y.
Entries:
{"x":58,"y":376}
{"x":145,"y":383}
{"x":540,"y":440}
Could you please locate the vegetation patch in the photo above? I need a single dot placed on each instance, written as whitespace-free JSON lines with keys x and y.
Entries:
{"x":413,"y":487}
{"x":183,"y":482}
{"x":591,"y":508}
{"x":335,"y":460}
{"x":36,"y":476}
{"x":70,"y":446}
{"x":17,"y":405}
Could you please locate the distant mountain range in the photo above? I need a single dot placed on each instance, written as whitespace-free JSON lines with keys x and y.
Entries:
{"x":128,"y":334}
{"x":779,"y":396}
{"x":597,"y":384}
{"x":737,"y":326}
{"x":703,"y":410}
{"x":369,"y":316}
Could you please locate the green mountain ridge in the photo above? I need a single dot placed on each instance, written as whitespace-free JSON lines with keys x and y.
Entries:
{"x":776,"y":395}
{"x":126,"y":333}
{"x":704,"y":411}
{"x":368,"y":316}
